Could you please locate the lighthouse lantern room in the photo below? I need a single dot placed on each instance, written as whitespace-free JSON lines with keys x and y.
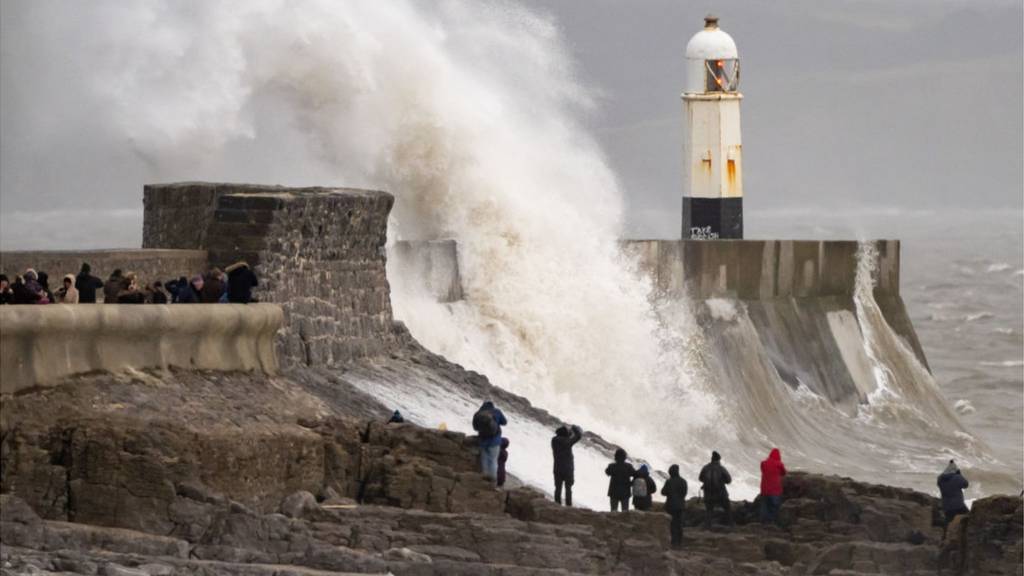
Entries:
{"x":712,"y":150}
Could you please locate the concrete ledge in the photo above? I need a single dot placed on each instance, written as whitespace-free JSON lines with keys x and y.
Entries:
{"x":40,"y":345}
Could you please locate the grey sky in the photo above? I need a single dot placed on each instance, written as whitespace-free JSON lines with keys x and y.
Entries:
{"x":849,"y":105}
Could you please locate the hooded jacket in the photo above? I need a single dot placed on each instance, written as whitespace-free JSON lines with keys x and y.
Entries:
{"x":499,"y":417}
{"x":241,"y":281}
{"x":772,"y":471}
{"x":715,"y":490}
{"x":561,"y":451}
{"x":674,"y":490}
{"x":69,"y":296}
{"x":113,"y":287}
{"x":951,"y":486}
{"x":21,"y":294}
{"x":621,"y":476}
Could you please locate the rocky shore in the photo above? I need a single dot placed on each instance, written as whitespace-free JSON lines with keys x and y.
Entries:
{"x":213,"y":473}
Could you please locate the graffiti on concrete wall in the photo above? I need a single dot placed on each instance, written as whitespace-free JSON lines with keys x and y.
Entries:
{"x":702,"y":233}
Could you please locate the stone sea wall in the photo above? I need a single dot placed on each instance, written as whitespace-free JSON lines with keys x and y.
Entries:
{"x":148,"y":265}
{"x":319,"y":253}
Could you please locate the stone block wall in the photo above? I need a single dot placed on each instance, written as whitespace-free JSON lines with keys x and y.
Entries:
{"x":318,"y":252}
{"x":149,"y":265}
{"x":178,"y":215}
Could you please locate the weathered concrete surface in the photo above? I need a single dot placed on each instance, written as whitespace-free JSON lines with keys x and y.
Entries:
{"x":40,"y":345}
{"x":148,"y":265}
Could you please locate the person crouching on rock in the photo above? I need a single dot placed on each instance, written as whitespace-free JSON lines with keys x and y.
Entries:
{"x":643,"y":489}
{"x":396,"y":418}
{"x":713,"y":479}
{"x":487,"y":422}
{"x":772,"y":471}
{"x":951,"y":485}
{"x":502,"y":459}
{"x":565,"y":468}
{"x":620,"y":482}
{"x":674,"y":492}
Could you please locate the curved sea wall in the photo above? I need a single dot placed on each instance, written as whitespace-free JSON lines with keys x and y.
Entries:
{"x":40,"y":345}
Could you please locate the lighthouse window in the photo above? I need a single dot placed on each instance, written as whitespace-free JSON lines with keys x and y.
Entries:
{"x":722,"y":75}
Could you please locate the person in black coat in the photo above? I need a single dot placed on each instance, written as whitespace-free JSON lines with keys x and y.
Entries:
{"x":620,"y":481}
{"x":565,"y":468}
{"x":951,"y":485}
{"x":674,"y":492}
{"x":241,"y":281}
{"x":87,"y":285}
{"x":189,"y":293}
{"x":713,"y":478}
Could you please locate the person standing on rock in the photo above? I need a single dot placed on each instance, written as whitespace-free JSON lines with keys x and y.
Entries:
{"x":713,"y":479}
{"x":772,"y":471}
{"x":565,"y":467}
{"x":620,"y":481}
{"x":487,"y":422}
{"x":951,"y":485}
{"x":674,"y":492}
{"x":502,"y":459}
{"x":643,"y":489}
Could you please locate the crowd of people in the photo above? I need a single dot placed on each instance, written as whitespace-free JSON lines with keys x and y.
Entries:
{"x":629,"y":485}
{"x":234,"y":284}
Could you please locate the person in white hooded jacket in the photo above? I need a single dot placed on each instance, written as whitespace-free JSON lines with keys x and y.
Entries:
{"x":68,"y":294}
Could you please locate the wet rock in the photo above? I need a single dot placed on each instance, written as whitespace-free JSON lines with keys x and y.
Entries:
{"x":297,"y":504}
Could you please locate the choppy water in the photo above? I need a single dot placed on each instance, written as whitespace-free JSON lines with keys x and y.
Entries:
{"x":963,"y":285}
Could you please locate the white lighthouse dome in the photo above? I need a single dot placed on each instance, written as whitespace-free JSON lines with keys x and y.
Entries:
{"x":711,"y":50}
{"x":711,"y":44}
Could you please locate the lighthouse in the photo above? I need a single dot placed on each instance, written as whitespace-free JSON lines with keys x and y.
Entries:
{"x":712,"y":151}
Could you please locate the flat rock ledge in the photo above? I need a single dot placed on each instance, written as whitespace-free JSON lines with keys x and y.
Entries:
{"x":201,"y":473}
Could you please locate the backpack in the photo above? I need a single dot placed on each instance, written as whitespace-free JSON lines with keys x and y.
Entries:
{"x":639,"y":487}
{"x":485,"y":424}
{"x":714,"y":481}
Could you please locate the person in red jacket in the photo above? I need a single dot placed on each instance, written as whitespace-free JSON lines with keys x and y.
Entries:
{"x":772,"y":471}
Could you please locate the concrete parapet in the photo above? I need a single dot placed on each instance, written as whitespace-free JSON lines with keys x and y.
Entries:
{"x":40,"y":345}
{"x":762,"y":269}
{"x":148,"y":265}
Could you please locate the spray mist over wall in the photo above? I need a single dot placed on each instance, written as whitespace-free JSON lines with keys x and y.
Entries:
{"x":468,"y":112}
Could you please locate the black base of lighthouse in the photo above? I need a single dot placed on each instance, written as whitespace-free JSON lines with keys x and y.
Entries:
{"x":712,"y":218}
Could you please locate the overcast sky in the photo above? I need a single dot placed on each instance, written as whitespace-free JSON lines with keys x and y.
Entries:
{"x":912,"y":104}
{"x":848,"y":105}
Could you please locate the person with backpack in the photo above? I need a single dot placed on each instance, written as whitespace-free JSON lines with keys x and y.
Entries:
{"x":502,"y":459}
{"x":772,"y":471}
{"x":713,"y":478}
{"x":674,"y":492}
{"x":565,"y":468}
{"x":643,"y":489}
{"x":620,"y":481}
{"x":487,"y":422}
